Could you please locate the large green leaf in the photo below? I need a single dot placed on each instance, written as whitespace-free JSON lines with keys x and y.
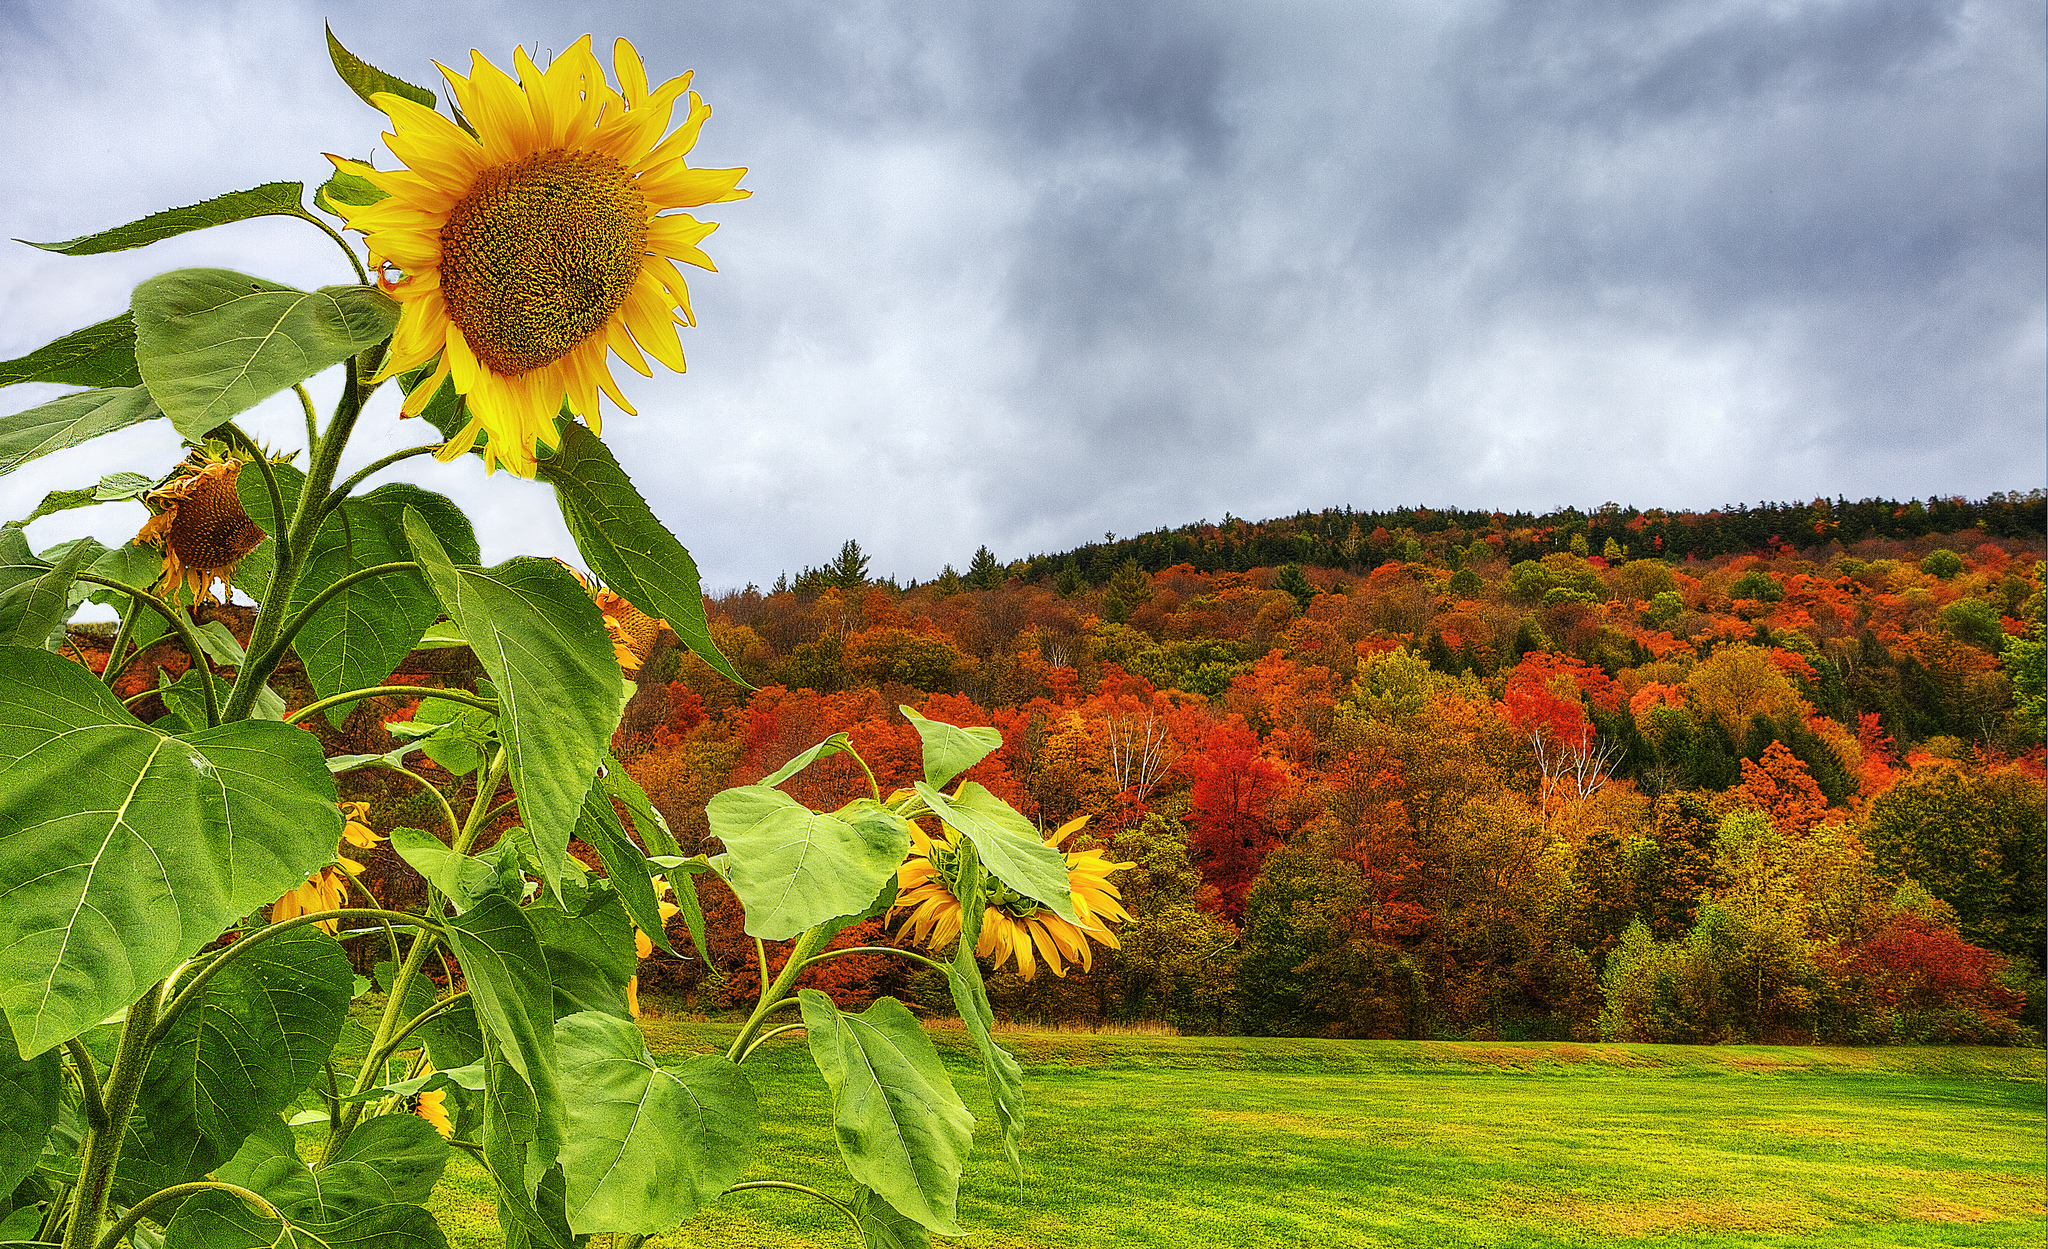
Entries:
{"x":793,"y":868}
{"x":272,"y":199}
{"x":213,"y":342}
{"x":948,"y":749}
{"x":35,"y":593}
{"x":590,"y":955}
{"x":239,"y":1055}
{"x":123,"y":850}
{"x":462,"y":879}
{"x":404,"y":1150}
{"x":70,"y":420}
{"x":543,"y":644}
{"x":28,"y":1107}
{"x":902,"y":1129}
{"x":1010,"y":848}
{"x":215,"y":1220}
{"x":506,"y":969}
{"x":628,"y":870}
{"x":626,"y":544}
{"x":98,"y":355}
{"x":647,"y":1147}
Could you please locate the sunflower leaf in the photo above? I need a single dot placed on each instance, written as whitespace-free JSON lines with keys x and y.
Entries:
{"x":70,"y":420}
{"x":125,"y":850}
{"x":239,"y":1055}
{"x":102,"y":354}
{"x":835,"y":744}
{"x":794,"y":868}
{"x":902,"y":1129}
{"x":628,"y":870}
{"x":29,"y":1090}
{"x":351,"y":189}
{"x":212,"y":343}
{"x":35,"y":595}
{"x":214,"y":1220}
{"x":366,"y":80}
{"x":1009,"y":847}
{"x":507,"y":973}
{"x":948,"y":749}
{"x":647,"y":1147}
{"x":543,"y":644}
{"x":272,"y":199}
{"x":626,"y":544}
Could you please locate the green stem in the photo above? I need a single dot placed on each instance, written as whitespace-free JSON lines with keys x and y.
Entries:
{"x":186,"y":634}
{"x":378,"y":691}
{"x":141,"y":1209}
{"x":193,"y":987}
{"x":340,"y":242}
{"x":122,"y":636}
{"x":103,"y":1146}
{"x":302,"y":615}
{"x":88,"y":1084}
{"x":786,"y":1186}
{"x":312,"y":417}
{"x":765,"y":1037}
{"x":912,"y":955}
{"x":262,"y":463}
{"x":415,"y":958}
{"x":427,"y":1016}
{"x":356,"y":479}
{"x":807,"y":941}
{"x":296,"y":540}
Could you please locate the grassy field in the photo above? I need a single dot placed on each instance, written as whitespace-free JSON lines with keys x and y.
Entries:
{"x":1169,"y":1141}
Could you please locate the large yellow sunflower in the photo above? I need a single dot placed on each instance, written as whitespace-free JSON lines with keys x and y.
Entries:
{"x":1012,"y":925}
{"x":529,"y":249}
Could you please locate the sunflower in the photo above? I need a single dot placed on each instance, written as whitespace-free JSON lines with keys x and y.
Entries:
{"x":532,"y":242}
{"x":643,"y":945}
{"x":327,"y":889}
{"x":1012,"y":926}
{"x":432,"y":1105}
{"x":198,"y":521}
{"x":631,"y":630}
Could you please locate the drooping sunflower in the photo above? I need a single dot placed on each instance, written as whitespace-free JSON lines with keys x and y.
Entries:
{"x":1012,"y":925}
{"x":198,"y":521}
{"x":530,"y":248}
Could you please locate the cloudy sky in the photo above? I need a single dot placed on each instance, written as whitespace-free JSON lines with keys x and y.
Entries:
{"x":1030,"y":273}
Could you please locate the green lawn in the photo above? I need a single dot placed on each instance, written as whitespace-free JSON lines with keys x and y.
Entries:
{"x":1162,"y":1141}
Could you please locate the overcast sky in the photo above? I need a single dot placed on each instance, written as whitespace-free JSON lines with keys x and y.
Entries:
{"x":1029,"y":273}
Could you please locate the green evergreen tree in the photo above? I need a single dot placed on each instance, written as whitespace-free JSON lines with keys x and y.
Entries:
{"x":983,"y":572}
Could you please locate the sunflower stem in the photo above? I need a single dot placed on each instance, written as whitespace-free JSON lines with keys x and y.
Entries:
{"x":262,"y":463}
{"x":376,"y":691}
{"x":361,"y":275}
{"x":786,"y":1186}
{"x":186,"y":634}
{"x":122,"y":636}
{"x":312,"y":416}
{"x":88,"y":1084}
{"x":293,"y":541}
{"x":102,"y":1148}
{"x":375,"y":466}
{"x":807,"y":941}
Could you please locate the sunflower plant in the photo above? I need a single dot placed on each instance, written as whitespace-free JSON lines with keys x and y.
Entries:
{"x":183,"y":906}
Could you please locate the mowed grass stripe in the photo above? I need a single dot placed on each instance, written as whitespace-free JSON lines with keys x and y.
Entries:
{"x":1278,"y":1144}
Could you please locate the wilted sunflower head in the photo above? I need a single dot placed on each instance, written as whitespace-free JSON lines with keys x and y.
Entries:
{"x":199,"y":523}
{"x":532,"y":246}
{"x":1012,"y":926}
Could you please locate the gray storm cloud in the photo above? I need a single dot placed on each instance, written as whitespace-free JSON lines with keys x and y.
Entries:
{"x":1027,"y":275}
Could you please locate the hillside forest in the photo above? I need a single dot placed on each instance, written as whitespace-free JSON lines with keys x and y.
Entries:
{"x":1742,"y":776}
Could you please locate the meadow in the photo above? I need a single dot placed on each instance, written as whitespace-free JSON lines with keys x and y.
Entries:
{"x":1267,"y":1143}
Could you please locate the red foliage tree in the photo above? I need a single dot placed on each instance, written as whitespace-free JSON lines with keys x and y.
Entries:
{"x":1233,"y":830}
